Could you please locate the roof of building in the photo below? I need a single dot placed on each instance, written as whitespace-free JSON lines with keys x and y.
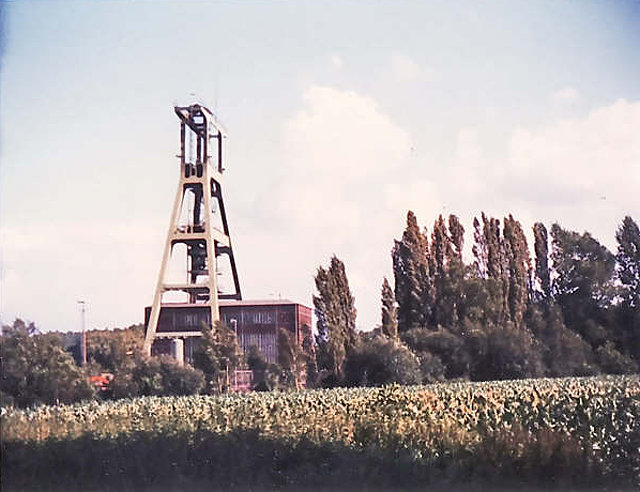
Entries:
{"x":257,"y":302}
{"x":233,"y":302}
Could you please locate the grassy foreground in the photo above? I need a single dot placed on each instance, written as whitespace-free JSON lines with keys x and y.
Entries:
{"x":578,"y":433}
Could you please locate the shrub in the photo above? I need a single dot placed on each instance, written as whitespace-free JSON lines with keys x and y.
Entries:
{"x":36,"y":369}
{"x":379,"y":361}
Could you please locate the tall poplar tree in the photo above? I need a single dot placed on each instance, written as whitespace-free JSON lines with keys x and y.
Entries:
{"x":628,"y":259}
{"x":518,"y":269}
{"x":495,"y":247}
{"x":336,"y":317}
{"x":413,"y":285}
{"x":628,"y":273}
{"x":489,"y":265}
{"x":441,"y":253}
{"x":480,"y":250}
{"x":389,"y":311}
{"x":543,"y":275}
{"x":456,"y":268}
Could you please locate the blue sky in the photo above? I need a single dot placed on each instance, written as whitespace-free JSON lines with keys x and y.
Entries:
{"x":341,"y":116}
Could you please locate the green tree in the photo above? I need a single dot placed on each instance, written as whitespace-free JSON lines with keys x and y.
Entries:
{"x":444,"y":344}
{"x":628,"y":259}
{"x":380,"y":360}
{"x":583,"y":283}
{"x":564,"y":352}
{"x":217,"y":355}
{"x":310,"y":355}
{"x":479,"y":250}
{"x":389,"y":311}
{"x":543,"y":274}
{"x":256,"y":360}
{"x":179,"y":379}
{"x":441,"y":251}
{"x":291,"y":359}
{"x":155,"y":376}
{"x":336,"y":319}
{"x":266,"y":377}
{"x":518,"y":266}
{"x":488,"y":291}
{"x":628,"y":273}
{"x":505,"y":352}
{"x":36,"y":369}
{"x":456,"y":269}
{"x":612,"y":361}
{"x":495,"y":247}
{"x":111,"y":348}
{"x":413,"y":284}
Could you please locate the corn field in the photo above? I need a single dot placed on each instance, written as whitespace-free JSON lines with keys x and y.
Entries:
{"x":594,"y":421}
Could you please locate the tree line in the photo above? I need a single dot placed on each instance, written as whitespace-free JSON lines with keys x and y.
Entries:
{"x":37,"y":368}
{"x":571,"y":310}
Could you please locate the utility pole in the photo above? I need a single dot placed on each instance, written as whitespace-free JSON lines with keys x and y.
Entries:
{"x":83,"y":337}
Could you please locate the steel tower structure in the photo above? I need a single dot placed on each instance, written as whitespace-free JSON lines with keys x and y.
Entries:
{"x":198,"y":221}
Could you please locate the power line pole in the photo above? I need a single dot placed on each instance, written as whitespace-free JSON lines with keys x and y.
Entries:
{"x":83,"y":338}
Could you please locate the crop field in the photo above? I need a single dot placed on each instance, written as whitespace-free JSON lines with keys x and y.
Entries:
{"x":563,"y":433}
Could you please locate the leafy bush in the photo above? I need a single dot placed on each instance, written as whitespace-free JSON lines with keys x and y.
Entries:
{"x":217,"y":354}
{"x":379,"y":361}
{"x":144,"y":376}
{"x":36,"y":369}
{"x":613,"y":362}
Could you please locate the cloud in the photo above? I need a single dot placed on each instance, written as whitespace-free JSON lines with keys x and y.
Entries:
{"x":351,"y":177}
{"x":337,"y":62}
{"x":566,"y":95}
{"x":468,"y":149}
{"x":341,"y":135}
{"x":345,"y":189}
{"x":405,"y":69}
{"x":345,"y":176}
{"x":583,"y":172}
{"x":583,"y":158}
{"x":421,"y":196}
{"x":48,"y":267}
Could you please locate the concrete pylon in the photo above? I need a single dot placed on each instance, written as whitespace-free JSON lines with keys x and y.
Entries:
{"x":198,"y":220}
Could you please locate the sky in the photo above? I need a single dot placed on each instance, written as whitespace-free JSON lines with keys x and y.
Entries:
{"x":342,"y":115}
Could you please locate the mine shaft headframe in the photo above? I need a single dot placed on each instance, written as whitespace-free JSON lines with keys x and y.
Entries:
{"x":204,"y":124}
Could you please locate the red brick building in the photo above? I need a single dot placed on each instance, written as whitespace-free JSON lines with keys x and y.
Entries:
{"x":255,"y":323}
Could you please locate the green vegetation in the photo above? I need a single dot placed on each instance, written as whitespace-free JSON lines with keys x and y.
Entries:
{"x":563,"y":433}
{"x":574,"y":311}
{"x":37,"y":370}
{"x":217,"y":355}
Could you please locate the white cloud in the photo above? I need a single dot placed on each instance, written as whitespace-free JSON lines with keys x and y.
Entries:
{"x":344,"y":190}
{"x":566,"y":95}
{"x":337,"y":62}
{"x":420,"y":195}
{"x":405,"y":69}
{"x":48,"y":267}
{"x":590,"y":157}
{"x":584,"y":173}
{"x":468,"y":149}
{"x":350,"y":176}
{"x":345,"y":177}
{"x":342,"y":135}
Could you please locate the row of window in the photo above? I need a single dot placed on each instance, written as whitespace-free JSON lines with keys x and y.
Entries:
{"x":190,"y":321}
{"x":266,"y":342}
{"x":259,"y":317}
